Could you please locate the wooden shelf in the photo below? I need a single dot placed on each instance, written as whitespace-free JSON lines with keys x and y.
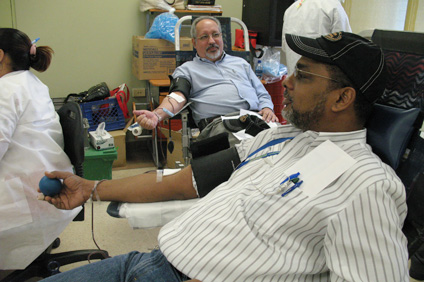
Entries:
{"x":160,"y":82}
{"x":187,"y":11}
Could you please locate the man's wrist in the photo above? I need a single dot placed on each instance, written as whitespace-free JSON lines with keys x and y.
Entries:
{"x":267,"y":108}
{"x":158,"y":116}
{"x":94,"y":190}
{"x":88,"y":186}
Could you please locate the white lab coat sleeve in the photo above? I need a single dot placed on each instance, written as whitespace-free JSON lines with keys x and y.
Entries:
{"x":340,"y":20}
{"x":11,"y":106}
{"x":30,"y":143}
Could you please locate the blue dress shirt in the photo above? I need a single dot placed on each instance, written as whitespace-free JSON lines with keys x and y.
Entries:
{"x":222,"y":87}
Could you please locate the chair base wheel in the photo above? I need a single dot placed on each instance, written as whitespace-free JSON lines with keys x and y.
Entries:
{"x":56,"y":243}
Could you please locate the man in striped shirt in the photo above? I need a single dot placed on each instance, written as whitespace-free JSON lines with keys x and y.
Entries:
{"x":309,"y":201}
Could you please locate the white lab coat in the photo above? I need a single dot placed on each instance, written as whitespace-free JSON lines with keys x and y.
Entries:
{"x":31,"y":143}
{"x":312,"y":18}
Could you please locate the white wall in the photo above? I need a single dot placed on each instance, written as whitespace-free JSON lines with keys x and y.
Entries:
{"x":381,"y":14}
{"x":92,"y":39}
{"x":419,"y":23}
{"x":6,"y":19}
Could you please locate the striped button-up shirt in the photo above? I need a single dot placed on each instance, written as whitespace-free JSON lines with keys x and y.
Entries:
{"x":243,"y":231}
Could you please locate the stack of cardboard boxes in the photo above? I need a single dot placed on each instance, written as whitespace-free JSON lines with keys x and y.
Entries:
{"x":120,"y":146}
{"x":155,"y":58}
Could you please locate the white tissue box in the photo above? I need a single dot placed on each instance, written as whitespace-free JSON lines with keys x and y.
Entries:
{"x":101,"y":142}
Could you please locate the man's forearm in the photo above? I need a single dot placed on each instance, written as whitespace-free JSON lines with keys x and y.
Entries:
{"x":170,"y":106}
{"x":146,"y":188}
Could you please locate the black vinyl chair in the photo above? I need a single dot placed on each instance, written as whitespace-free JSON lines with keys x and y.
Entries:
{"x":73,"y":134}
{"x":47,"y":263}
{"x":404,"y":54}
{"x":395,"y":131}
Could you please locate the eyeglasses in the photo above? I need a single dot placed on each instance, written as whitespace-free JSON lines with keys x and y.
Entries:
{"x":214,"y":35}
{"x":298,"y":74}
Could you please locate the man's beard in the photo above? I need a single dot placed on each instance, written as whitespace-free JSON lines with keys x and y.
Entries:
{"x":216,"y":55}
{"x":305,"y":120}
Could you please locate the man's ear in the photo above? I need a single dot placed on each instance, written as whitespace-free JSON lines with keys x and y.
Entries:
{"x":1,"y":55}
{"x":345,"y":97}
{"x":193,"y":41}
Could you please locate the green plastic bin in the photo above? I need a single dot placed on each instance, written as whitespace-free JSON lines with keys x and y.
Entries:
{"x":98,"y":164}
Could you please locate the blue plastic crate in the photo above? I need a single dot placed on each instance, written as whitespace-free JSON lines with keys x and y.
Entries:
{"x":107,"y":111}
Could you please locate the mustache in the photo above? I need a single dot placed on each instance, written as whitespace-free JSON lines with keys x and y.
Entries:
{"x":212,"y":46}
{"x":287,"y":95}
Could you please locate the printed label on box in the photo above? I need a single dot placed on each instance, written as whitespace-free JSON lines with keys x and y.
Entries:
{"x":155,"y":58}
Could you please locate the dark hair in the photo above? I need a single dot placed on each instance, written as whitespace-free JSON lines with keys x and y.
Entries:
{"x":17,"y":45}
{"x":361,"y":105}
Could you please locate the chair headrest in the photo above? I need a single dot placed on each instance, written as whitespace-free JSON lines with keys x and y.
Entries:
{"x":389,"y":130}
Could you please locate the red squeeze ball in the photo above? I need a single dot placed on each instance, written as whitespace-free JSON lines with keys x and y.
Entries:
{"x":50,"y":186}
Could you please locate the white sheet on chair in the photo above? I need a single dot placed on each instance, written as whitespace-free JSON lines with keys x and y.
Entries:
{"x":149,"y":215}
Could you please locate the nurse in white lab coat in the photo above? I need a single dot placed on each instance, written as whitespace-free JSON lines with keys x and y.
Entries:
{"x":31,"y":142}
{"x":312,"y":18}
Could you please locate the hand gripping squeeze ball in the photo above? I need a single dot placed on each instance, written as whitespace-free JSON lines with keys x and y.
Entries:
{"x":50,"y":186}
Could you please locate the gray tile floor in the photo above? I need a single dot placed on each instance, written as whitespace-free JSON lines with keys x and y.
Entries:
{"x":111,"y":234}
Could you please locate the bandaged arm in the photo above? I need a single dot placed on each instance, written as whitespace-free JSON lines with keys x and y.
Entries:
{"x":172,"y":104}
{"x":179,"y":90}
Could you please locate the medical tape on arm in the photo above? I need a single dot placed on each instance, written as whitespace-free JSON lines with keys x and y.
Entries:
{"x":168,"y":112}
{"x":159,"y":175}
{"x":94,"y":190}
{"x":176,"y":97}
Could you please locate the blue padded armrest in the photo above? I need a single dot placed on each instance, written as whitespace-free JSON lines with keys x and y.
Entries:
{"x":389,"y":130}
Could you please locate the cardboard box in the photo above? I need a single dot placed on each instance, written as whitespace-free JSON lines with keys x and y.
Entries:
{"x":177,"y":154}
{"x":155,"y":58}
{"x":120,"y":146}
{"x":176,"y":124}
{"x":162,"y":96}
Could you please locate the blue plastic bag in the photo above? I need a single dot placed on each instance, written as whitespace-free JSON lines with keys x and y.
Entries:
{"x":270,"y":61}
{"x":272,"y":69}
{"x":163,"y":27}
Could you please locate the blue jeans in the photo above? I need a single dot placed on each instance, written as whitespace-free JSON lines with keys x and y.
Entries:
{"x":133,"y":266}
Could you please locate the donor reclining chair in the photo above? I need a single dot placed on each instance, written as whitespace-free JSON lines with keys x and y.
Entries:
{"x":183,"y":56}
{"x":404,"y":54}
{"x":393,"y":129}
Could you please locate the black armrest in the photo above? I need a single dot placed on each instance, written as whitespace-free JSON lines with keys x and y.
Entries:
{"x":389,"y":130}
{"x":113,"y":209}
